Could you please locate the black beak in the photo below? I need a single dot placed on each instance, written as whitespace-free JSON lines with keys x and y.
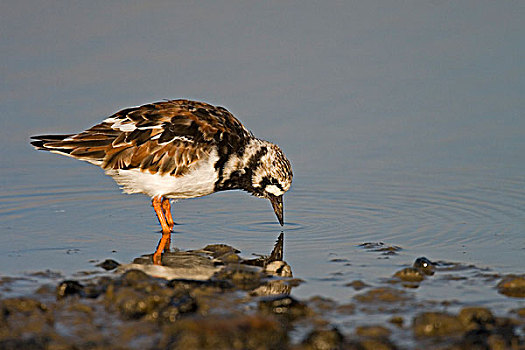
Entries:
{"x":277,"y":204}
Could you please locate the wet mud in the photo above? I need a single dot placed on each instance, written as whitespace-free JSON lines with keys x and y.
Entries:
{"x":213,"y":298}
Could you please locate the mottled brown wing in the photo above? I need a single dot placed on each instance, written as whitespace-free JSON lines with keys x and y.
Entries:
{"x":164,"y":137}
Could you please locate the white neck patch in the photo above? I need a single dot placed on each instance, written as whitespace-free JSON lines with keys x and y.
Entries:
{"x":274,"y":190}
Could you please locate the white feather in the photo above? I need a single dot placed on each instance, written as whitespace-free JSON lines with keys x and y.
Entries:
{"x":200,"y":181}
{"x":274,"y":190}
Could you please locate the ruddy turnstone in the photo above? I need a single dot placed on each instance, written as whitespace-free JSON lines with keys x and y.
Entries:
{"x":178,"y":149}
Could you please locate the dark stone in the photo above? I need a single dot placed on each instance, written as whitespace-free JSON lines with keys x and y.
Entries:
{"x":108,"y":264}
{"x":68,"y":288}
{"x":134,"y":304}
{"x":357,"y":285}
{"x":381,"y":247}
{"x":397,"y":321}
{"x":425,"y":266}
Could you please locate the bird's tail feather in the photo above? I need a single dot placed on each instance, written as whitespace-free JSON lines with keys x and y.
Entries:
{"x":77,"y":148}
{"x":50,"y":143}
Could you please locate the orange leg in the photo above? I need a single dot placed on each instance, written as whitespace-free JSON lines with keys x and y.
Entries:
{"x":166,"y":206}
{"x":166,"y":230}
{"x":163,"y":243}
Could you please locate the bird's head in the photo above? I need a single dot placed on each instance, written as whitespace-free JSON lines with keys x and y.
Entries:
{"x":271,"y":176}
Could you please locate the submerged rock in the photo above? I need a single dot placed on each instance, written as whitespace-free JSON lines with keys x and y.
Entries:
{"x":512,"y":286}
{"x":357,"y":285}
{"x":109,"y":264}
{"x":410,"y":274}
{"x":383,"y":294}
{"x":413,"y":275}
{"x":381,"y":248}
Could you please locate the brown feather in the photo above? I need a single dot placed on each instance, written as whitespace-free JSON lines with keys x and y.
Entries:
{"x":187,"y":129}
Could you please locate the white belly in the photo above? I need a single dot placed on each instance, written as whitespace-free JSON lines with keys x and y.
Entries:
{"x":200,"y":181}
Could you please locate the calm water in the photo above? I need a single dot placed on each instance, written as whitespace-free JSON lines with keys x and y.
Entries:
{"x":404,"y":125}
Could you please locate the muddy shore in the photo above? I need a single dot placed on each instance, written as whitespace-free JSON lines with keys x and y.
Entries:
{"x":213,"y":298}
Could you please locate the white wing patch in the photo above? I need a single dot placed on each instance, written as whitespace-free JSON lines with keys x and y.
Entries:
{"x":176,"y":138}
{"x":124,"y":125}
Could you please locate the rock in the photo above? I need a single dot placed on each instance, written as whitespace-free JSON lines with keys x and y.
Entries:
{"x":436,"y":324}
{"x":22,"y":305}
{"x":381,"y":247}
{"x":512,"y":286}
{"x":322,"y":304}
{"x":226,"y":332}
{"x":189,"y":285}
{"x":476,"y":317}
{"x":425,"y":266}
{"x":108,"y":264}
{"x":324,"y":339}
{"x":372,"y":331}
{"x":382,"y":294}
{"x":26,"y":318}
{"x":346,"y":309}
{"x":375,"y":344}
{"x":397,"y":320}
{"x":17,"y":343}
{"x":284,"y":305}
{"x":135,"y":278}
{"x":68,"y":288}
{"x":178,"y":307}
{"x":357,"y":285}
{"x":137,"y":296}
{"x":410,"y":274}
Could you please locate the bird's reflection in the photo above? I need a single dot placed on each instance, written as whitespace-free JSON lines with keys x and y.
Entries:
{"x":274,"y":266}
{"x":263,"y":275}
